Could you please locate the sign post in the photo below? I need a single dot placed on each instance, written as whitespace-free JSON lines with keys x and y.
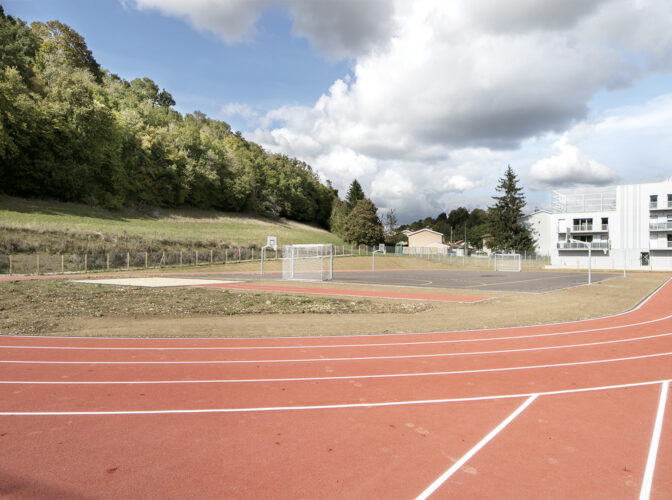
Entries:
{"x":271,"y":242}
{"x":381,"y":249}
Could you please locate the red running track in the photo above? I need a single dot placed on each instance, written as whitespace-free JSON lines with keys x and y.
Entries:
{"x":573,"y":410}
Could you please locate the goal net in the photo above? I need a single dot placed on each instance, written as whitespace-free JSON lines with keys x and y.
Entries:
{"x":508,"y":262}
{"x":308,"y":262}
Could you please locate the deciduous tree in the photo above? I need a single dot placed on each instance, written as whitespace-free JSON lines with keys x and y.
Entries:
{"x":362,"y":226}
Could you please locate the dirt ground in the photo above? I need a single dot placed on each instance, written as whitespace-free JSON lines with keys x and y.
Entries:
{"x":356,"y":316}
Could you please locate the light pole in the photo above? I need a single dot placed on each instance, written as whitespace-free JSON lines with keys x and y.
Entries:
{"x":590,"y":255}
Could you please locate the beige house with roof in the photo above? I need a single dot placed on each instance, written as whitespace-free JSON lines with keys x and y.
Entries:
{"x":426,"y":241}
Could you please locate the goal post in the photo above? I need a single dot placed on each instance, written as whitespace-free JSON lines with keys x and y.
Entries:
{"x":308,"y":262}
{"x":508,"y":262}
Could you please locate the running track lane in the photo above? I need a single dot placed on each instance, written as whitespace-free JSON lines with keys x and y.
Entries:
{"x":362,"y":450}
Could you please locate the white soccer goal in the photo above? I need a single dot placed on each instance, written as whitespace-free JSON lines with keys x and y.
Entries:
{"x":308,"y":262}
{"x":508,"y":262}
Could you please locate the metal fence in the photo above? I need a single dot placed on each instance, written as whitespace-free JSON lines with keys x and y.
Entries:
{"x":529,"y":260}
{"x":40,"y":263}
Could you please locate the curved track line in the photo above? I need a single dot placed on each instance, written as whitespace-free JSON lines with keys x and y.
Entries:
{"x":316,"y":360}
{"x":340,"y":377}
{"x":334,"y":406}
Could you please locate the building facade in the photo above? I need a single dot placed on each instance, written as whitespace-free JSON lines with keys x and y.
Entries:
{"x":626,"y":227}
{"x":425,"y":241}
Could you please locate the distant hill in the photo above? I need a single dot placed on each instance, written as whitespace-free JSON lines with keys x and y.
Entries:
{"x":73,"y":131}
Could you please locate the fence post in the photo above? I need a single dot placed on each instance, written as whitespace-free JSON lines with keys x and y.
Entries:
{"x":10,"y":265}
{"x":128,"y":260}
{"x":108,"y":261}
{"x":196,"y":257}
{"x":211,"y":256}
{"x":238,"y":254}
{"x":253,"y":253}
{"x":163,"y":258}
{"x":86,"y":263}
{"x":146,"y":260}
{"x":180,"y":257}
{"x":226,"y":256}
{"x":62,"y":264}
{"x":38,"y":264}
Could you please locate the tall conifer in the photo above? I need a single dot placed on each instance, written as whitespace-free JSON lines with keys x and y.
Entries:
{"x":508,"y":232}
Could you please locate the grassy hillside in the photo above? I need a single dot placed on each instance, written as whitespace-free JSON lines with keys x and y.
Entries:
{"x":48,"y":226}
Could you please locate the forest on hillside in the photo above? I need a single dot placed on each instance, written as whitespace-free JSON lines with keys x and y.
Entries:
{"x":72,"y":131}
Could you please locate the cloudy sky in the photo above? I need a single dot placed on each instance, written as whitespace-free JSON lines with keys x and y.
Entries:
{"x":424,"y":102}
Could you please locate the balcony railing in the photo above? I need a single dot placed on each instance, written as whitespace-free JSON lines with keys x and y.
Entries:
{"x":663,"y":205}
{"x":664,"y":246}
{"x":660,"y":226}
{"x":572,"y":245}
{"x":590,"y":228}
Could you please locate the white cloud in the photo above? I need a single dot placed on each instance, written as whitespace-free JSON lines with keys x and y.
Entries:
{"x":239,"y":109}
{"x":570,"y":168}
{"x":337,"y":28}
{"x":443,"y":95}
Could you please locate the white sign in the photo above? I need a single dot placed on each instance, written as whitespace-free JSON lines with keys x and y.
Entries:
{"x":272,"y":241}
{"x":381,"y":247}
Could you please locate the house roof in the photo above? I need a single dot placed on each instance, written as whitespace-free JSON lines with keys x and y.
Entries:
{"x":424,"y":229}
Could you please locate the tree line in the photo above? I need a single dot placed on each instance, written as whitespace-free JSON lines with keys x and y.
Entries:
{"x":72,"y":131}
{"x":501,"y":225}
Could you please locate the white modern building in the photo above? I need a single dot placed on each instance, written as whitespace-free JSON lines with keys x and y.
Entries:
{"x":540,"y":223}
{"x":625,"y":226}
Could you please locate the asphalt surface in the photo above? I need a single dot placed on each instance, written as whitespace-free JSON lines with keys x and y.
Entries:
{"x":525,"y":281}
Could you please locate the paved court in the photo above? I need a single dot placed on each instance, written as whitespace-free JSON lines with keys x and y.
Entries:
{"x":482,"y":280}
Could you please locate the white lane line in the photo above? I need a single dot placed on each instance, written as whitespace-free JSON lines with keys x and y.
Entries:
{"x":645,"y":492}
{"x":591,"y":320}
{"x":317,"y":360}
{"x":333,"y":406}
{"x":330,"y":346}
{"x":456,"y":466}
{"x":343,"y":377}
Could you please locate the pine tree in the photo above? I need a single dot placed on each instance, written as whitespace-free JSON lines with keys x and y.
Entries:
{"x":355,"y":193}
{"x":508,"y":233}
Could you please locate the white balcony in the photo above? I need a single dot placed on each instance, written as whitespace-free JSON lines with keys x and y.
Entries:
{"x":662,"y":205}
{"x":573,"y":245}
{"x":660,"y":226}
{"x":590,"y":228}
{"x":662,"y":246}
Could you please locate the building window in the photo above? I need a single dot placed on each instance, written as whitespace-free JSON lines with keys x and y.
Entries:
{"x":669,"y":241}
{"x":653,"y":201}
{"x":583,"y":225}
{"x":669,"y":201}
{"x":605,"y":223}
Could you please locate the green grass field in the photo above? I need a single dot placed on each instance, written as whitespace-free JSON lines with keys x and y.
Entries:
{"x":37,"y":225}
